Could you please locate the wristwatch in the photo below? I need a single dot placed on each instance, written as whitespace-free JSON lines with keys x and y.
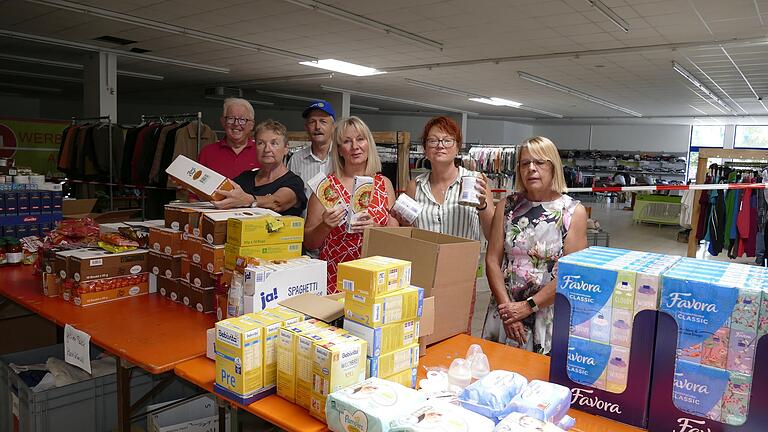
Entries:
{"x":255,"y":203}
{"x":532,"y":304}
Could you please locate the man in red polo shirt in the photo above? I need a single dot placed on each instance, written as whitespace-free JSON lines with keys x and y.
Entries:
{"x":235,"y":153}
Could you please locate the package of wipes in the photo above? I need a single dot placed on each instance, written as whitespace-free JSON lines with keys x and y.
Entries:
{"x":543,"y":400}
{"x":517,"y":422}
{"x":441,"y":416}
{"x":369,"y":406}
{"x":491,"y":395}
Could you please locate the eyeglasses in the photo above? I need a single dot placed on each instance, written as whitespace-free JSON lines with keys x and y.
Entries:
{"x":236,"y":120}
{"x":447,"y":142}
{"x":540,"y":163}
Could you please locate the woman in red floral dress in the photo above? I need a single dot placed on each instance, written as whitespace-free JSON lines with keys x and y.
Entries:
{"x":354,"y":154}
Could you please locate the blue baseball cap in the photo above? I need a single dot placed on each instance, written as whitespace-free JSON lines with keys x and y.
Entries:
{"x":321,"y":105}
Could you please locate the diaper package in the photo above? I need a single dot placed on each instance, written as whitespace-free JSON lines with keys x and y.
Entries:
{"x":441,"y":416}
{"x":491,"y":395}
{"x":543,"y":401}
{"x":369,"y":406}
{"x":717,"y":306}
{"x":517,"y":422}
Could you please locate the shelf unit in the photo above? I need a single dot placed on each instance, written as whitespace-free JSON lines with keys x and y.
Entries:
{"x":610,"y":165}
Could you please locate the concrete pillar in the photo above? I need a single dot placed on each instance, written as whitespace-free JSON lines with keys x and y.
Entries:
{"x":340,"y":103}
{"x":100,"y":86}
{"x":463,"y":125}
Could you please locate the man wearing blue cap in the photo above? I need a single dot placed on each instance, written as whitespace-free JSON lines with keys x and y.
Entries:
{"x":307,"y":163}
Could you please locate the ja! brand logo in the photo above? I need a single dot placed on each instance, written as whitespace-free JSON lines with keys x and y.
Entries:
{"x":691,"y":425}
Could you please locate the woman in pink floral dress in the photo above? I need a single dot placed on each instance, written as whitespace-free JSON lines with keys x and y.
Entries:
{"x":537,"y":225}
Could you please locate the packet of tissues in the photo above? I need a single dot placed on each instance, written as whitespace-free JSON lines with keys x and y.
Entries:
{"x":543,"y":401}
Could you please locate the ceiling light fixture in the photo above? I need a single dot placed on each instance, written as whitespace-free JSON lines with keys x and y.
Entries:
{"x":40,"y":75}
{"x":610,"y":14}
{"x":697,"y":109}
{"x":364,"y":107}
{"x":477,"y":97}
{"x":170,"y":28}
{"x":364,"y":21}
{"x":716,"y":85}
{"x":343,"y":67}
{"x":577,"y":93}
{"x":290,"y":78}
{"x":497,"y":102}
{"x":738,"y":69}
{"x":76,"y":66}
{"x":31,"y":87}
{"x":94,"y":48}
{"x":253,"y":102}
{"x":687,"y":75}
{"x":394,"y":99}
{"x":309,"y":99}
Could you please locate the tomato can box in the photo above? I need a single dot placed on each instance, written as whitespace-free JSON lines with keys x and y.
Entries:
{"x":60,"y":264}
{"x":265,"y":230}
{"x":88,"y":265}
{"x":212,"y":258}
{"x":200,"y":278}
{"x":199,"y":179}
{"x":393,"y":362}
{"x":239,"y":359}
{"x":165,"y":286}
{"x":403,"y":305}
{"x":287,"y":347}
{"x":711,"y":314}
{"x":193,"y":246}
{"x":374,"y":276}
{"x":161,"y":264}
{"x":385,"y":339}
{"x":202,"y":299}
{"x":604,"y":328}
{"x":92,"y":292}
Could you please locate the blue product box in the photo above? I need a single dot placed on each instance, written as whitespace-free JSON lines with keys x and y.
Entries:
{"x":11,"y":204}
{"x":35,"y":202}
{"x":45,"y":202}
{"x":9,"y":230}
{"x":2,"y":204}
{"x":22,"y":230}
{"x":22,"y":199}
{"x":56,"y":198}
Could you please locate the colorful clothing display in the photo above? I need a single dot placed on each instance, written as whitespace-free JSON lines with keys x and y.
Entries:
{"x":534,"y":237}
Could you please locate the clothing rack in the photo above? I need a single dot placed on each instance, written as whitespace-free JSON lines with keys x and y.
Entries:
{"x":701,"y":174}
{"x":182,"y":116}
{"x":399,"y":139}
{"x":108,"y":119}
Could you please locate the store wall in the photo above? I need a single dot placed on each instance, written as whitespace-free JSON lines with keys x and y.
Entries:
{"x":572,"y":137}
{"x":652,"y":138}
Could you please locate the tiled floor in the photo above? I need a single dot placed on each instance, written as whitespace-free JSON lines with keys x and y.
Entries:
{"x":625,"y":234}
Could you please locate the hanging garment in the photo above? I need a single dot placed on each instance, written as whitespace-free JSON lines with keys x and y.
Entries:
{"x":127,"y":155}
{"x":716,"y":222}
{"x":686,"y":208}
{"x":162,"y":142}
{"x":747,"y":235}
{"x":186,"y":142}
{"x":101,"y":140}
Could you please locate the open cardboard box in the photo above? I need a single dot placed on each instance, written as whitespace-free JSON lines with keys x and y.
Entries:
{"x":445,"y":266}
{"x":77,"y":208}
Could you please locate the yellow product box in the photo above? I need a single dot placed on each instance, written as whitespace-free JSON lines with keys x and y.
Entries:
{"x":239,"y":358}
{"x":374,"y":276}
{"x":403,"y":305}
{"x":270,"y":330}
{"x":304,"y":347}
{"x":288,"y":316}
{"x":317,"y":406}
{"x":287,"y":343}
{"x":338,"y":363}
{"x":265,"y":230}
{"x":394,"y":362}
{"x":385,"y":339}
{"x":282,"y":251}
{"x":406,"y":378}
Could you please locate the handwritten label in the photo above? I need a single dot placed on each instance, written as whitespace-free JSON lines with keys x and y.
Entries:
{"x":77,"y":348}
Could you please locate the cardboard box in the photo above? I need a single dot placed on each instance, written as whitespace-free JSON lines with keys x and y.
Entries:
{"x":396,"y":306}
{"x":202,"y":299}
{"x":193,"y":247}
{"x":210,"y":343}
{"x":265,"y":286}
{"x":394,"y":362}
{"x":239,"y":359}
{"x":186,"y":216}
{"x":57,"y":262}
{"x":199,"y":179}
{"x":35,"y":202}
{"x":304,"y":361}
{"x":94,"y":292}
{"x":185,"y":264}
{"x":51,"y":285}
{"x":267,"y":252}
{"x":85,"y":265}
{"x":11,"y":204}
{"x":179,"y":290}
{"x":22,"y":199}
{"x":327,"y":309}
{"x":199,"y":277}
{"x":198,"y":415}
{"x":287,"y":346}
{"x":407,"y":378}
{"x":265,"y":230}
{"x":166,"y":241}
{"x":45,"y":202}
{"x":73,"y":208}
{"x":212,"y":258}
{"x":385,"y":339}
{"x":164,"y":265}
{"x":336,"y":364}
{"x":445,"y":266}
{"x":213,"y":226}
{"x":221,"y":306}
{"x":165,"y":286}
{"x":374,"y":276}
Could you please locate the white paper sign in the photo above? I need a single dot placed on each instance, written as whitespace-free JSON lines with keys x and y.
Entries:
{"x":77,"y":348}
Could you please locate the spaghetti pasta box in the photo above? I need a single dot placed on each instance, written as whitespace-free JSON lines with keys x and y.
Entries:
{"x":282,"y":251}
{"x":201,"y":180}
{"x":212,"y":258}
{"x":265,"y":230}
{"x":213,"y":226}
{"x":392,"y":307}
{"x":164,"y":265}
{"x":362,"y":188}
{"x":268,"y":285}
{"x":88,"y":265}
{"x":373,"y":276}
{"x":166,"y":241}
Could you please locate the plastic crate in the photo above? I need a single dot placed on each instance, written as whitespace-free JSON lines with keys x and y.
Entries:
{"x":89,"y":405}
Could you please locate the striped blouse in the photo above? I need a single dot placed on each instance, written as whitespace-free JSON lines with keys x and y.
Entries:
{"x":449,"y":218}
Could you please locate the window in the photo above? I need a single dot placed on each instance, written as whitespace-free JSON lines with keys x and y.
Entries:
{"x":751,"y":137}
{"x":707,"y":136}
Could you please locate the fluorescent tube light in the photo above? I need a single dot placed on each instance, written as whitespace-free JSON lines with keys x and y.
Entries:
{"x":540,"y":111}
{"x":343,"y":67}
{"x":31,"y":87}
{"x":577,"y":93}
{"x":76,"y":66}
{"x":687,"y":75}
{"x":40,"y":75}
{"x":253,"y":102}
{"x":290,"y":78}
{"x":364,"y":21}
{"x":94,"y":48}
{"x":497,"y":102}
{"x":364,"y":107}
{"x":394,"y":99}
{"x":610,"y":14}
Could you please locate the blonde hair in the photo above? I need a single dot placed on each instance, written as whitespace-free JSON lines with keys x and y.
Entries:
{"x":373,"y":165}
{"x":542,"y":148}
{"x":273,"y":126}
{"x":230,"y":102}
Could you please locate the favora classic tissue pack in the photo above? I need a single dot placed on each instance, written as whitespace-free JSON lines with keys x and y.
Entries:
{"x":711,"y":321}
{"x":604,"y":328}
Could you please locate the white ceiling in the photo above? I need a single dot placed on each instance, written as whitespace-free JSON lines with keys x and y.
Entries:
{"x":566,"y":41}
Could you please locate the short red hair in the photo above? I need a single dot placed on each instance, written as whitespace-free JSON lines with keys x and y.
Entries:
{"x":445,"y":124}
